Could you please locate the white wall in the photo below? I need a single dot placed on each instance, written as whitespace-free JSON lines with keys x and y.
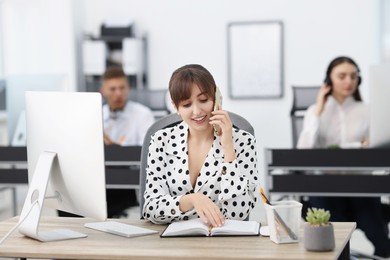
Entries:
{"x":183,"y":32}
{"x":1,"y":43}
{"x":38,"y":37}
{"x":385,"y":30}
{"x":194,"y":31}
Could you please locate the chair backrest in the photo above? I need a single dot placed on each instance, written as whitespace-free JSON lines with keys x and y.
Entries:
{"x":154,"y":99}
{"x":168,"y":121}
{"x":2,"y":95}
{"x":303,"y":97}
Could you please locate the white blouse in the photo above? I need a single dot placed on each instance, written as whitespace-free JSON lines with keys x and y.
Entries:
{"x":344,"y":125}
{"x":231,"y":185}
{"x":128,"y":126}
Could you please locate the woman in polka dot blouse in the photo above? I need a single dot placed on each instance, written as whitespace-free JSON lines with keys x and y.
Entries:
{"x":193,"y":172}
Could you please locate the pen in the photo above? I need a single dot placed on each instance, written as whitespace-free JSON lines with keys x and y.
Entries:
{"x":279,"y":220}
{"x":265,"y":199}
{"x":210,"y":228}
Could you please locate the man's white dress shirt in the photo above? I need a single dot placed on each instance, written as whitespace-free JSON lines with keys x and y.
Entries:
{"x":127,"y":127}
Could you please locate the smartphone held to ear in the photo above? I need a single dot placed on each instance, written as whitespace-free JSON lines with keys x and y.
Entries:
{"x":217,"y":106}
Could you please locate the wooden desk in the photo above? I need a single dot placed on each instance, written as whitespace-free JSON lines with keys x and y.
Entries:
{"x":100,"y":245}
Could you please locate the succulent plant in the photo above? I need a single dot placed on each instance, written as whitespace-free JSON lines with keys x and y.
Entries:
{"x":318,"y":217}
{"x":334,"y":146}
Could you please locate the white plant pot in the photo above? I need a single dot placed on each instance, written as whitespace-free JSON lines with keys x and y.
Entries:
{"x":318,"y":238}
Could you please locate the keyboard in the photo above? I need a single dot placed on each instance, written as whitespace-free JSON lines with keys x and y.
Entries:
{"x":120,"y":229}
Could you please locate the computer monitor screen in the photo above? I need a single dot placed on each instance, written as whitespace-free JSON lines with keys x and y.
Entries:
{"x":65,"y":152}
{"x":380,"y":106}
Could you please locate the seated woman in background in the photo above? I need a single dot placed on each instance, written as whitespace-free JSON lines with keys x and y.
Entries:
{"x":340,"y":119}
{"x":192,"y":171}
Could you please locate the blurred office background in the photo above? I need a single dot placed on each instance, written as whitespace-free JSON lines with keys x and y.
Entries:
{"x":45,"y":37}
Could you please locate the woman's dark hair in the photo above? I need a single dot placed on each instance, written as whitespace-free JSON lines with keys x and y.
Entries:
{"x":182,"y":80}
{"x":338,"y":61}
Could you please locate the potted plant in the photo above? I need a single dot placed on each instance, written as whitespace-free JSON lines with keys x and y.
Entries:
{"x":318,"y":232}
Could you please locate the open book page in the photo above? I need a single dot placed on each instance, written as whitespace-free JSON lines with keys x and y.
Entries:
{"x":193,"y":227}
{"x":236,"y":228}
{"x":196,"y":227}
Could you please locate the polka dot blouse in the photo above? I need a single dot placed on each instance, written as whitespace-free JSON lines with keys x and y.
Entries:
{"x":231,"y":185}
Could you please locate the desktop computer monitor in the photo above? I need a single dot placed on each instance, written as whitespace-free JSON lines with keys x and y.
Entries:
{"x":380,"y":106}
{"x":65,"y":152}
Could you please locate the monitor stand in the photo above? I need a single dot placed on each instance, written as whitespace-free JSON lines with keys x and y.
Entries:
{"x":33,"y":205}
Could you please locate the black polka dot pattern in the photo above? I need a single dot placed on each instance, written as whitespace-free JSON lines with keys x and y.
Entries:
{"x":233,"y":184}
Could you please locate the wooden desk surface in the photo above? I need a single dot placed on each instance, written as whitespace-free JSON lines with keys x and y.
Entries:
{"x":100,"y":245}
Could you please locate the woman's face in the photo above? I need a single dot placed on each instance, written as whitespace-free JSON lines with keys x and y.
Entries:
{"x":344,"y":79}
{"x":196,"y":111}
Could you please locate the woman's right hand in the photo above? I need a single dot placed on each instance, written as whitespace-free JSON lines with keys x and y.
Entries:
{"x":206,"y":209}
{"x":321,"y":98}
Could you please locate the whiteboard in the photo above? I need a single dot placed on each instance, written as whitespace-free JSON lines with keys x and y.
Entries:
{"x":255,"y":59}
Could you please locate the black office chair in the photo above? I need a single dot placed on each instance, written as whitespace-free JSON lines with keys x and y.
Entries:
{"x":168,"y":121}
{"x":303,"y":97}
{"x":2,"y":95}
{"x":12,"y":188}
{"x":154,"y":99}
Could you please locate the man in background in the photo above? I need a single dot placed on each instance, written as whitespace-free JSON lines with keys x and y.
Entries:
{"x":125,"y":123}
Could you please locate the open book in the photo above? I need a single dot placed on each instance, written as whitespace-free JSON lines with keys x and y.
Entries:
{"x":196,"y":227}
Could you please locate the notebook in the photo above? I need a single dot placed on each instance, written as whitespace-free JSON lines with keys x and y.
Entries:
{"x":196,"y":227}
